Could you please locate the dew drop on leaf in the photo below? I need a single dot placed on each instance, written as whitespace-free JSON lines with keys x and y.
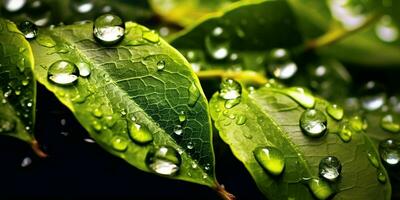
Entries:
{"x":151,"y":36}
{"x":231,"y":103}
{"x":190,"y":145}
{"x":7,"y":125}
{"x":160,"y":65}
{"x":313,"y":123}
{"x":194,"y":94}
{"x":241,"y":119}
{"x":320,"y":188}
{"x":109,"y":121}
{"x":270,"y":158}
{"x":373,"y":159}
{"x":82,"y":6}
{"x":301,"y":95}
{"x":230,"y":89}
{"x":119,"y":143}
{"x":84,"y":69}
{"x":164,"y":160}
{"x":390,"y":123}
{"x":381,"y":176}
{"x":217,"y":43}
{"x":330,"y":168}
{"x":182,"y":116}
{"x":389,"y":150}
{"x":335,"y":111}
{"x":345,"y":132}
{"x":140,"y":134}
{"x":178,"y":129}
{"x":63,"y":73}
{"x":373,"y":96}
{"x":280,"y":65}
{"x":97,"y":113}
{"x":108,"y":29}
{"x":29,"y":29}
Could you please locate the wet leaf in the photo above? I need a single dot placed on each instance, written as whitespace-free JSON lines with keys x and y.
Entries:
{"x":272,"y":120}
{"x":127,"y":102}
{"x":17,"y":86}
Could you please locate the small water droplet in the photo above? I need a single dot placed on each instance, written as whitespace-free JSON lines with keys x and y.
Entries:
{"x":63,"y":73}
{"x":230,"y":103}
{"x":190,"y":145}
{"x":320,"y":188}
{"x":26,"y":162}
{"x":97,"y":126}
{"x":25,"y":82}
{"x":160,"y":65}
{"x":373,"y":159}
{"x":386,"y":29}
{"x":381,"y":176}
{"x":182,"y":116}
{"x":108,"y":29}
{"x":271,"y":159}
{"x":123,"y":112}
{"x":194,"y":95}
{"x":389,"y":150}
{"x":140,"y":134}
{"x":345,"y":132}
{"x":335,"y":111}
{"x":330,"y":168}
{"x":164,"y":160}
{"x":45,"y":41}
{"x":373,"y":96}
{"x":390,"y":123}
{"x":109,"y":121}
{"x":29,"y":29}
{"x":241,"y":119}
{"x":84,"y":69}
{"x":7,"y":125}
{"x":230,"y":89}
{"x":82,"y":6}
{"x":119,"y":143}
{"x":280,"y":65}
{"x":358,"y":123}
{"x":218,"y":43}
{"x":178,"y":129}
{"x":97,"y":113}
{"x":313,"y":123}
{"x":301,"y":96}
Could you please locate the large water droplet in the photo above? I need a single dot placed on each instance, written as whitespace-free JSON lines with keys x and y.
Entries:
{"x":29,"y":29}
{"x":7,"y":125}
{"x":372,"y":96}
{"x":301,"y":95}
{"x":320,"y":188}
{"x":119,"y":143}
{"x":313,"y":123}
{"x":82,"y":6}
{"x":45,"y":41}
{"x":280,"y":65}
{"x":218,"y":43}
{"x":13,"y":5}
{"x":164,"y":160}
{"x":108,"y":29}
{"x":390,"y":151}
{"x":335,"y":111}
{"x":63,"y":72}
{"x":386,"y":29}
{"x":330,"y":168}
{"x":390,"y":123}
{"x":230,"y":89}
{"x":140,"y":134}
{"x":271,"y":159}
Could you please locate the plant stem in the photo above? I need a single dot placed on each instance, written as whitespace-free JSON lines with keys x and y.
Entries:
{"x":223,"y":193}
{"x":337,"y":34}
{"x":246,"y":76}
{"x":36,"y":148}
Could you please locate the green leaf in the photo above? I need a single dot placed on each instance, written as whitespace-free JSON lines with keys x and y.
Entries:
{"x":17,"y":86}
{"x":250,"y":29}
{"x":141,"y":86}
{"x":269,"y":117}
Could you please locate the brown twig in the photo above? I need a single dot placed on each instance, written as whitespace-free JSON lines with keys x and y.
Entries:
{"x":36,"y":148}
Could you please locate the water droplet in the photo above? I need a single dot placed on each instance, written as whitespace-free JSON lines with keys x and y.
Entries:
{"x":97,"y":126}
{"x":335,"y":111}
{"x":82,"y":6}
{"x":330,"y":168}
{"x":84,"y":69}
{"x":63,"y":73}
{"x":97,"y":113}
{"x":270,"y":158}
{"x":140,"y":134}
{"x":372,"y":96}
{"x":348,"y":13}
{"x":386,"y":29}
{"x":25,"y":82}
{"x":13,"y":5}
{"x":218,"y":43}
{"x":29,"y":29}
{"x":182,"y":116}
{"x":164,"y":160}
{"x":241,"y":119}
{"x":178,"y":129}
{"x":373,"y":159}
{"x":231,"y":103}
{"x":390,"y":123}
{"x":381,"y":176}
{"x":119,"y":143}
{"x":123,"y":112}
{"x":160,"y":65}
{"x":109,"y":121}
{"x":301,"y":95}
{"x":89,"y":140}
{"x":39,"y":12}
{"x":345,"y":132}
{"x":313,"y":123}
{"x":190,"y":145}
{"x":230,"y":89}
{"x":280,"y":65}
{"x":151,"y":36}
{"x":26,"y":162}
{"x":320,"y":188}
{"x":194,"y":95}
{"x":109,"y":29}
{"x":389,"y":150}
{"x":358,"y":123}
{"x":7,"y":125}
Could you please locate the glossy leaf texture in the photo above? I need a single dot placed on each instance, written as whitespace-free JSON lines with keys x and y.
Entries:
{"x":269,"y":117}
{"x":239,"y":38}
{"x":368,"y":33}
{"x":138,"y":99}
{"x":17,"y":86}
